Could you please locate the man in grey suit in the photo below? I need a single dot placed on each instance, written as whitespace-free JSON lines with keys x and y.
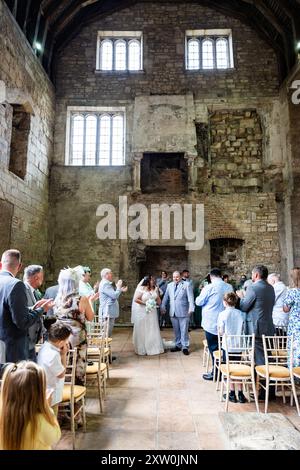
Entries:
{"x":15,"y":316}
{"x":33,"y":279}
{"x":181,"y":297}
{"x":258,"y":304}
{"x":108,"y":297}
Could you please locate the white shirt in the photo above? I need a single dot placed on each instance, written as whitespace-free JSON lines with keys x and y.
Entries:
{"x":280,"y":318}
{"x":49,"y":358}
{"x":231,"y":321}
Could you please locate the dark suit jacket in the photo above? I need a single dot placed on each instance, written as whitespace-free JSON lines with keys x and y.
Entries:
{"x":258,"y":303}
{"x":15,"y":317}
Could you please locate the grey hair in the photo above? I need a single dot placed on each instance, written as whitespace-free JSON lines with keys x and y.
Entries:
{"x":104,"y":272}
{"x":32,"y":270}
{"x":277,"y":275}
{"x":176,"y":272}
{"x":11,"y":258}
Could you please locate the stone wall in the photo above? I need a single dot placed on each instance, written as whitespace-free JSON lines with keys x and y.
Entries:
{"x":235,"y":160}
{"x":24,"y":83}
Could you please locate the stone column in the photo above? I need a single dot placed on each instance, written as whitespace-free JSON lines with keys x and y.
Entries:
{"x":192,"y":171}
{"x":137,"y":158}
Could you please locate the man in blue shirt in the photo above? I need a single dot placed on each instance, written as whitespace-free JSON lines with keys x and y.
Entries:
{"x":211,"y":301}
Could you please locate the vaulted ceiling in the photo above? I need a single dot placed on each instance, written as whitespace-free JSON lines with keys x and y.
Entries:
{"x":52,"y":23}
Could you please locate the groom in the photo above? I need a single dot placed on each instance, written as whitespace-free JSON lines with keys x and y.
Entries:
{"x":181,"y":297}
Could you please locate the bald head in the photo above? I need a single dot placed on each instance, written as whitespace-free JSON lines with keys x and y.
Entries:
{"x":11,"y":261}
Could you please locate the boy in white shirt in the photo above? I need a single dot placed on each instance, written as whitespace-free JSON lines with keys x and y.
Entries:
{"x":231,"y":322}
{"x":52,"y":357}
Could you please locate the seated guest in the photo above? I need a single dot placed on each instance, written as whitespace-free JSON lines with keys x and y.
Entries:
{"x":33,"y":279}
{"x":26,"y":420}
{"x":15,"y":316}
{"x":232,"y":322}
{"x":52,"y":357}
{"x":280,"y":318}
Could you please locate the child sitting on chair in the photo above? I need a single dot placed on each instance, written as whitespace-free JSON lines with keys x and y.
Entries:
{"x":52,"y":357}
{"x":231,"y":322}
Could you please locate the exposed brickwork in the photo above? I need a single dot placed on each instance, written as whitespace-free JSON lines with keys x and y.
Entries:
{"x":26,"y":83}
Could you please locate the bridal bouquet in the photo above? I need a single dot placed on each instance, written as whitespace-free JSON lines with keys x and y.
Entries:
{"x":150,"y":305}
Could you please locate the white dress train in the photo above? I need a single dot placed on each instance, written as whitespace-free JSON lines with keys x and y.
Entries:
{"x":146,"y":333}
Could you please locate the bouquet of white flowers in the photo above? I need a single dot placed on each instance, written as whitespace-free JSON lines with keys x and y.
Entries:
{"x":150,"y":305}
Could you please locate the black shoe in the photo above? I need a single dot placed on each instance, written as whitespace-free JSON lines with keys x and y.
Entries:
{"x":185,"y":352}
{"x":208,"y":376}
{"x":241,"y":397}
{"x":232,"y":397}
{"x":112,"y":359}
{"x":175,"y":349}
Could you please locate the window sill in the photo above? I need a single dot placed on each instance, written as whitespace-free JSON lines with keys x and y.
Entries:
{"x":210,"y":71}
{"x":119,"y":72}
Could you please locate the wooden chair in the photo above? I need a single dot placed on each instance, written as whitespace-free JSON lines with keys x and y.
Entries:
{"x":101,"y":329}
{"x":294,"y":373}
{"x":275,"y":371}
{"x":239,"y":365}
{"x":73,"y":395}
{"x":205,"y":360}
{"x":98,"y":369}
{"x":218,"y":357}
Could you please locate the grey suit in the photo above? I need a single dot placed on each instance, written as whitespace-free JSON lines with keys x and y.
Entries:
{"x":15,"y":317}
{"x":35,"y":330}
{"x":109,"y":305}
{"x":181,"y":303}
{"x":258,"y":304}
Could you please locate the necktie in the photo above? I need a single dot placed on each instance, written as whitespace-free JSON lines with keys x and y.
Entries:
{"x":37,"y":294}
{"x":176,"y":285}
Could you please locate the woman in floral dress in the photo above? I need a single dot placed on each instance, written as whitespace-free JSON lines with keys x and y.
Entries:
{"x":291,"y":304}
{"x":74,"y":310}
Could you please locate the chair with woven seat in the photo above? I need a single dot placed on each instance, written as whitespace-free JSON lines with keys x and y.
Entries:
{"x":73,"y":395}
{"x":275,"y":371}
{"x":98,"y":369}
{"x":239,"y":365}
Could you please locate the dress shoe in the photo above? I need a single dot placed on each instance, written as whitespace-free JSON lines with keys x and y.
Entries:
{"x":241,"y":397}
{"x":112,"y":359}
{"x":185,"y":352}
{"x":175,"y":349}
{"x":232,"y":397}
{"x":208,"y":376}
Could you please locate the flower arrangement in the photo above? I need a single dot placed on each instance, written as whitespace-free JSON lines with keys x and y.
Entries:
{"x":150,"y":305}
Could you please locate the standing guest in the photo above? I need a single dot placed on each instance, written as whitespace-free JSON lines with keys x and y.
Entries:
{"x":85,"y":287}
{"x":162,"y":282}
{"x":180,"y":295}
{"x":280,"y":318}
{"x":15,"y":316}
{"x":74,"y":310}
{"x":185,"y":276}
{"x":26,"y":420}
{"x":50,"y":293}
{"x":232,"y":322}
{"x":53,"y":358}
{"x":211,"y":301}
{"x":258,"y":303}
{"x":33,"y":279}
{"x":225,"y":278}
{"x":242,"y":282}
{"x":108,"y":296}
{"x":291,"y":305}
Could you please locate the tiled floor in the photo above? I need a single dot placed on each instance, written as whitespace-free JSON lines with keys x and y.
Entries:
{"x":159,"y":402}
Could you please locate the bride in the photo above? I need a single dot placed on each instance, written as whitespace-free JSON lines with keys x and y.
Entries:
{"x":146,"y":333}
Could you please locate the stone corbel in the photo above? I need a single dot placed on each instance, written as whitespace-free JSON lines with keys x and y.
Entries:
{"x":137,"y":158}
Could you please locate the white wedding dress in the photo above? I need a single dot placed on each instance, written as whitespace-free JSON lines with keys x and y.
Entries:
{"x":146,"y":333}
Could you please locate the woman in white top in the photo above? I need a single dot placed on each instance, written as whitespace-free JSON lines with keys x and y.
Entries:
{"x":146,"y":333}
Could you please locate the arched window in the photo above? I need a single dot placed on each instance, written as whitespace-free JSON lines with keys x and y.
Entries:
{"x":193,"y":54}
{"x":207,"y":54}
{"x":90,"y":140}
{"x":117,"y":140}
{"x":120,"y":54}
{"x":106,"y":55}
{"x":222,"y":53}
{"x":105,"y":140}
{"x":134,"y":55}
{"x":77,"y":139}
